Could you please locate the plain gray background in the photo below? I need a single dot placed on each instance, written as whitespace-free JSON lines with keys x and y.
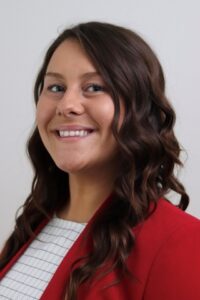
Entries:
{"x":26,"y":30}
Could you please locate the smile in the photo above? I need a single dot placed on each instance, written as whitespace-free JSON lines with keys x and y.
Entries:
{"x":71,"y":133}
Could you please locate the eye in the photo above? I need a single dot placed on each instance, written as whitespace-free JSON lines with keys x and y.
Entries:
{"x":94,"y":88}
{"x":56,"y":88}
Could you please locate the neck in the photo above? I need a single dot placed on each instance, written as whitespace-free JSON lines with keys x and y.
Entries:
{"x":87,"y":193}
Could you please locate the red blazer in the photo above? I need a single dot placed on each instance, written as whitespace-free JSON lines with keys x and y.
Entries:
{"x":165,"y":261}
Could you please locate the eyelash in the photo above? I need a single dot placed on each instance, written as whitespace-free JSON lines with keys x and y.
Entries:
{"x":97,"y":88}
{"x":49,"y":88}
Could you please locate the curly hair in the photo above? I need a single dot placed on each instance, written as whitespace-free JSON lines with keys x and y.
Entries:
{"x":148,"y":150}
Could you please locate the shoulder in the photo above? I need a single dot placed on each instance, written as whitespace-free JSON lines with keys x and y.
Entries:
{"x":166,"y":209}
{"x":170,"y":242}
{"x":167,"y":225}
{"x":166,"y":220}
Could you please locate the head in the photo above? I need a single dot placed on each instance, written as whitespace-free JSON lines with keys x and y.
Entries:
{"x":142,"y":119}
{"x":75,"y":112}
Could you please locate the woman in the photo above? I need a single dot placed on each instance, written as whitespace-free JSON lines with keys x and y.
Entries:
{"x":97,"y":223}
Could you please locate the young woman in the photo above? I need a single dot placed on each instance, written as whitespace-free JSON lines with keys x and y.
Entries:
{"x":97,"y":223}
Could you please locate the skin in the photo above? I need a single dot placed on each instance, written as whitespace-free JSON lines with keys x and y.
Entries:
{"x":75,"y":94}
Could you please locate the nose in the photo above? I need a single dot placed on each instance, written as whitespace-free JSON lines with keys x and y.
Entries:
{"x":70,"y":104}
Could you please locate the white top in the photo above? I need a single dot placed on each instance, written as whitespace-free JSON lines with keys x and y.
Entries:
{"x":30,"y":275}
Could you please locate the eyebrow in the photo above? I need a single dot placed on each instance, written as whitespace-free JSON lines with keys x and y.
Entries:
{"x":84,"y":75}
{"x":54,"y":74}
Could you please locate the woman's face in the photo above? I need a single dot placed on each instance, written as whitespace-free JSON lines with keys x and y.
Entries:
{"x":75,"y":112}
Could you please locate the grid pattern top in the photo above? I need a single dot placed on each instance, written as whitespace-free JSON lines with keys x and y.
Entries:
{"x":30,"y":275}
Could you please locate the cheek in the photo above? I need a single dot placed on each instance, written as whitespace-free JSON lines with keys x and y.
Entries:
{"x":104,"y":113}
{"x":44,"y":112}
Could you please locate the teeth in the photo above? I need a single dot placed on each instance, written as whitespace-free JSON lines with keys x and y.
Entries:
{"x":65,"y":133}
{"x":71,"y":133}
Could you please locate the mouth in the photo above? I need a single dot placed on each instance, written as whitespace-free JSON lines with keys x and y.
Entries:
{"x":73,"y":134}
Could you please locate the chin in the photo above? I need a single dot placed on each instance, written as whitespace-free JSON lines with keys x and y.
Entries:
{"x":70,"y":167}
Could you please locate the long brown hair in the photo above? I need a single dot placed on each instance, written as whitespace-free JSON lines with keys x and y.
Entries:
{"x":148,"y":149}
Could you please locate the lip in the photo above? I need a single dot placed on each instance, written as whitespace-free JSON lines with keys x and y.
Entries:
{"x":73,"y":127}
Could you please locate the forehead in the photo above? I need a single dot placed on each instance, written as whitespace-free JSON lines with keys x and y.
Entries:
{"x":70,"y":56}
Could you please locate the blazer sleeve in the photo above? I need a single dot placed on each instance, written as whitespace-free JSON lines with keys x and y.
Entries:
{"x":175,"y":271}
